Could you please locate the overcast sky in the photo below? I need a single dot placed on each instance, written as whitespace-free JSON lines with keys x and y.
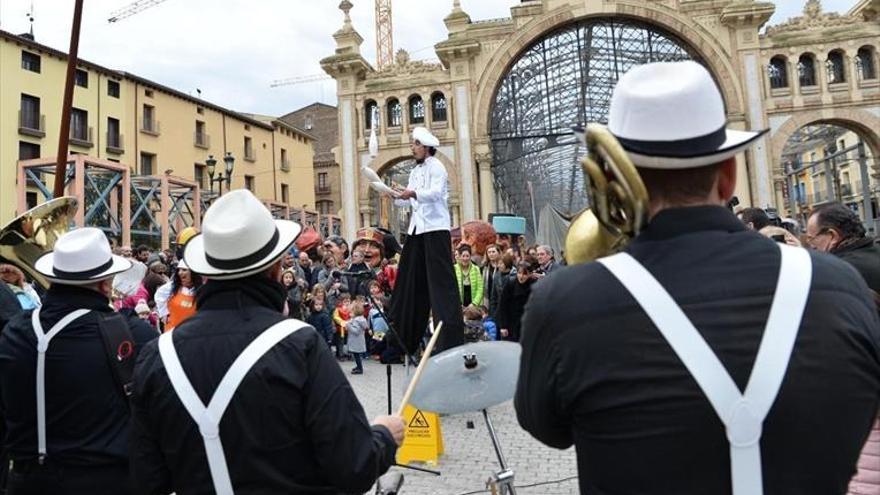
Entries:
{"x":233,"y":49}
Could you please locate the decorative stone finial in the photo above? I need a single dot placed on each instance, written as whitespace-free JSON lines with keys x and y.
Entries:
{"x":812,"y":8}
{"x":346,"y":6}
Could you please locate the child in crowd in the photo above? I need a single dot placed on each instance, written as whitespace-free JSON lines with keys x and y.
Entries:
{"x":473,"y":325}
{"x":320,"y":320}
{"x":147,"y":314}
{"x":357,"y":329}
{"x":489,"y":324}
{"x":377,"y":323}
{"x":341,"y":317}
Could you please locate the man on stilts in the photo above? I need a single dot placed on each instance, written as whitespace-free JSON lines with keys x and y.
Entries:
{"x":426,"y":281}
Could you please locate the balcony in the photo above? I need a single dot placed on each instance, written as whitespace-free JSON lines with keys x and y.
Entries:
{"x":325,"y":189}
{"x":285,"y":165}
{"x":150,"y":126}
{"x":201,"y":140}
{"x":115,"y":143}
{"x":31,"y":124}
{"x":80,"y":136}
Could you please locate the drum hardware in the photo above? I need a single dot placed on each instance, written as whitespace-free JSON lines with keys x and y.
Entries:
{"x":503,"y":479}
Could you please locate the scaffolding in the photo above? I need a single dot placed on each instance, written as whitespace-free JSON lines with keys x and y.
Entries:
{"x":159,"y":206}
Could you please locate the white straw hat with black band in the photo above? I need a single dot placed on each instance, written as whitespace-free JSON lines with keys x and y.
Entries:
{"x":239,"y":238}
{"x":81,"y":257}
{"x":670,"y":115}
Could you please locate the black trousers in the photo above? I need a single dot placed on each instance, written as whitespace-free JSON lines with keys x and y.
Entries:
{"x":34,"y":479}
{"x":426,"y":285}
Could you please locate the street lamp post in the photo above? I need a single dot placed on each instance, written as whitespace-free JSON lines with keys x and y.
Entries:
{"x":229,"y":162}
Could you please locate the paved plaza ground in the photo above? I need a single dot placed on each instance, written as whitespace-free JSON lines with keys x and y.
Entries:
{"x":470,"y":459}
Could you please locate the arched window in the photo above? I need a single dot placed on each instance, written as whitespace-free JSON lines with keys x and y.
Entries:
{"x":777,"y":71}
{"x":865,"y":63}
{"x":438,"y":107}
{"x":395,"y":116}
{"x":807,"y":70}
{"x":416,"y":110}
{"x":370,"y":110}
{"x":834,"y":66}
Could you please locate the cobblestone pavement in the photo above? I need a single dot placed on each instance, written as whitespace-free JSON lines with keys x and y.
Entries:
{"x":469,"y":459}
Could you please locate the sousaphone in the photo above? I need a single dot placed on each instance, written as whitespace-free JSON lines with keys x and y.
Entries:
{"x":618,"y":199}
{"x":34,"y":233}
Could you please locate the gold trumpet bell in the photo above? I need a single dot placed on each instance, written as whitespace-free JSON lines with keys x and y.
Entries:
{"x":618,"y":199}
{"x":34,"y":233}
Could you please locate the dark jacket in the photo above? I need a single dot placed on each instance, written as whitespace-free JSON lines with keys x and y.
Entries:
{"x":321,"y":322}
{"x":511,"y":307}
{"x":864,"y":255}
{"x":87,"y":416}
{"x":9,"y":305}
{"x":596,"y":372}
{"x":293,"y":426}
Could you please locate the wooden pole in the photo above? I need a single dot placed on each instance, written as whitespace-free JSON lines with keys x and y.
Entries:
{"x":418,"y":374}
{"x":64,"y":137}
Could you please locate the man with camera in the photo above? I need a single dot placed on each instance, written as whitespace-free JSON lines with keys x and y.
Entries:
{"x":691,"y":363}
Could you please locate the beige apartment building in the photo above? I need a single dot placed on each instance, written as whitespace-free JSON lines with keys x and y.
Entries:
{"x":154,"y":129}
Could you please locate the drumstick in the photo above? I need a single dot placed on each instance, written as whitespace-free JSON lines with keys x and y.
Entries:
{"x":419,"y":368}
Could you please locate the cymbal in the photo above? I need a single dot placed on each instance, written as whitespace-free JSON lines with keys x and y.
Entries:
{"x":469,"y":378}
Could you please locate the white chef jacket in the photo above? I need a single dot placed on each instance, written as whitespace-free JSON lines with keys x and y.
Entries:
{"x":430,"y":209}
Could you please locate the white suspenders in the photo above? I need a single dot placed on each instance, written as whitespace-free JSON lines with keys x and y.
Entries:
{"x":43,"y":340}
{"x":742,"y":414}
{"x":208,"y":418}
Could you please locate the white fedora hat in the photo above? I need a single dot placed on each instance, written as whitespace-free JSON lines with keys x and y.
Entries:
{"x":670,"y":115}
{"x":425,"y":137}
{"x":80,"y":257}
{"x":239,"y":238}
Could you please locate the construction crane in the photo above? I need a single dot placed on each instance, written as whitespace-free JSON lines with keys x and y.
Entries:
{"x":384,"y":34}
{"x":384,"y":47}
{"x":132,"y":9}
{"x":291,"y":81}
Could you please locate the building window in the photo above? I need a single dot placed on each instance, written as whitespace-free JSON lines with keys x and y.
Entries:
{"x":199,"y":175}
{"x":28,"y":151}
{"x":438,"y":107}
{"x":247,"y":127}
{"x":149,"y":123}
{"x":113,"y":89}
{"x":370,"y":113}
{"x":147,"y":161}
{"x":835,"y":68}
{"x":308,"y":123}
{"x":777,"y":71}
{"x":285,"y":194}
{"x":325,"y":207}
{"x":865,"y":63}
{"x":148,"y":93}
{"x":114,"y":140}
{"x":30,"y":61}
{"x":200,"y":110}
{"x":248,"y":148}
{"x":394,"y":113}
{"x":79,"y":125}
{"x":249,"y":182}
{"x":322,"y":180}
{"x":30,"y":198}
{"x":81,"y":78}
{"x":201,"y":137}
{"x":285,"y":163}
{"x":806,"y":70}
{"x":416,"y":110}
{"x":29,"y":116}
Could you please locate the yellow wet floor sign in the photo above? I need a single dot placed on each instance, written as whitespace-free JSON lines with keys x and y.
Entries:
{"x":424,"y":439}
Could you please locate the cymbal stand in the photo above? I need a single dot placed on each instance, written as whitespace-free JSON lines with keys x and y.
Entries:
{"x":388,"y":376}
{"x":504,"y":477}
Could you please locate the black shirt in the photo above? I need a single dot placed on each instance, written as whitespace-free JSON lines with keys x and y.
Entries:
{"x":87,"y":416}
{"x":294,"y":424}
{"x":598,"y":374}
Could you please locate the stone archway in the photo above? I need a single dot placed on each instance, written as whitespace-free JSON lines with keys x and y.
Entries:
{"x":863,"y":123}
{"x":718,"y":60}
{"x":387,"y":160}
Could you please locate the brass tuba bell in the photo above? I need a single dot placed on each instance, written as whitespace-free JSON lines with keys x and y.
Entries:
{"x":618,"y":199}
{"x":34,"y":233}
